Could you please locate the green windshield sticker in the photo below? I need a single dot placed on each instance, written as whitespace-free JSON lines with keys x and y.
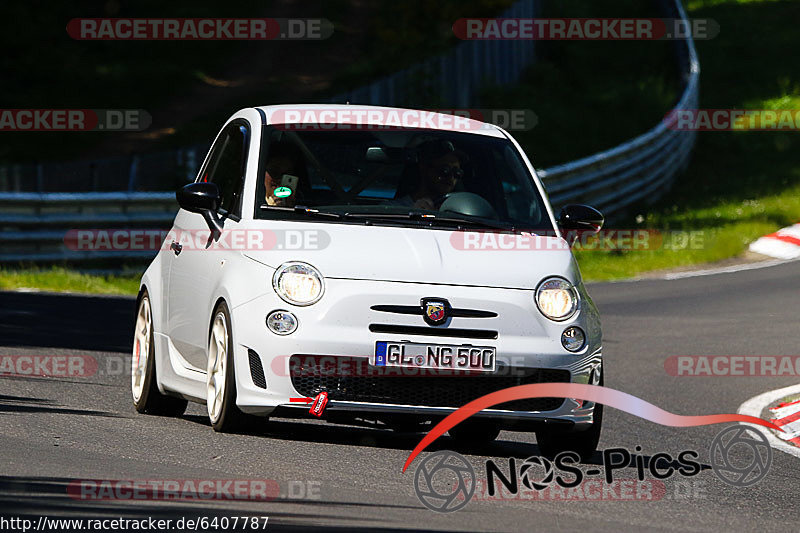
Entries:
{"x":282,"y":192}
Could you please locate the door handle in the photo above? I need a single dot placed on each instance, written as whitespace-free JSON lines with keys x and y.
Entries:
{"x":176,"y":247}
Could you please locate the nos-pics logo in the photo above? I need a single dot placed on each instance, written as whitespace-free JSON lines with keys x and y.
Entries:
{"x":445,"y":481}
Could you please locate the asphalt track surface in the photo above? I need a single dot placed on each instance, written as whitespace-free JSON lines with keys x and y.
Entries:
{"x":56,"y":430}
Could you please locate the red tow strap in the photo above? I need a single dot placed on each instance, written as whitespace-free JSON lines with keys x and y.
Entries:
{"x":318,"y":407}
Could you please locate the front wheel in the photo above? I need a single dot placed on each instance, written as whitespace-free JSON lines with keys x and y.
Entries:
{"x":475,"y":432}
{"x":221,"y":377}
{"x":144,"y":385}
{"x":584,"y":443}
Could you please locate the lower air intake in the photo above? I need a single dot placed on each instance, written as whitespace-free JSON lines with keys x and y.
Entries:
{"x":256,"y":370}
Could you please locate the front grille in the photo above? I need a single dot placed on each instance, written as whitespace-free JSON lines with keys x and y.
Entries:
{"x":418,"y":310}
{"x":383,"y":385}
{"x":433,"y":332}
{"x":256,"y":370}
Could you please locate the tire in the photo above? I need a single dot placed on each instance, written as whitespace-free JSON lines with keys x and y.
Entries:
{"x":401,"y":424}
{"x":221,"y":375}
{"x":144,"y":385}
{"x":584,"y":443}
{"x":475,"y":432}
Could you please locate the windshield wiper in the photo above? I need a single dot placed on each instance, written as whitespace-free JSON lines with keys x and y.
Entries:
{"x":304,"y":210}
{"x":433,"y":218}
{"x":493,"y":224}
{"x":410,"y":215}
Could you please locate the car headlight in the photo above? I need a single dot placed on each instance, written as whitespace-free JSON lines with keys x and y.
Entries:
{"x":557,"y":299}
{"x":298,"y":283}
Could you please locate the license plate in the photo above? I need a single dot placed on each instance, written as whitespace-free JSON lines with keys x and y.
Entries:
{"x":441,"y":356}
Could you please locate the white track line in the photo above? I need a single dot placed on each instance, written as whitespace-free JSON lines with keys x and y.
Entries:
{"x":695,"y":273}
{"x":755,"y":405}
{"x":725,"y":270}
{"x":767,"y":246}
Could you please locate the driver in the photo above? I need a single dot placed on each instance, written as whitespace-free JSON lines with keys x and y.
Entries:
{"x":439,"y":171}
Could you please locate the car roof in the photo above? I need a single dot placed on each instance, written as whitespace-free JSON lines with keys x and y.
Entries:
{"x":448,"y":120}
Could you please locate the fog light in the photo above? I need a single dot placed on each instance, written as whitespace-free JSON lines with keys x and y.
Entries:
{"x":281,"y":322}
{"x":573,"y":339}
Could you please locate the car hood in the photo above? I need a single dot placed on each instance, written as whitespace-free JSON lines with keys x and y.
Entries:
{"x":418,"y":255}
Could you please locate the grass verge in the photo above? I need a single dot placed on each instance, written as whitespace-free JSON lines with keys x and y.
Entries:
{"x":740,"y":184}
{"x":60,"y":279}
{"x":693,"y":236}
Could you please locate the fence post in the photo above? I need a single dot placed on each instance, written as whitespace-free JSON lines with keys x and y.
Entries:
{"x":133,"y":173}
{"x":39,"y":178}
{"x":191,"y":165}
{"x":93,"y":175}
{"x":17,"y":177}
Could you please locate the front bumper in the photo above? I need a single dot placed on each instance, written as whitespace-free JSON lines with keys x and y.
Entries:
{"x":339,"y":327}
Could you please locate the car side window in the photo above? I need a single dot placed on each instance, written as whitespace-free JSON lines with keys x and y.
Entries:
{"x":226,"y":167}
{"x":514,"y":178}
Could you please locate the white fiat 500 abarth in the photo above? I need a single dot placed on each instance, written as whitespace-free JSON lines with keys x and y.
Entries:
{"x":394,"y":269}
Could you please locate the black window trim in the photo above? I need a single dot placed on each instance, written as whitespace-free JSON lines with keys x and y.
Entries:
{"x":247,"y":134}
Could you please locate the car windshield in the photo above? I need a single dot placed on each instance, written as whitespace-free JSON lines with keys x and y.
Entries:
{"x":397,"y":177}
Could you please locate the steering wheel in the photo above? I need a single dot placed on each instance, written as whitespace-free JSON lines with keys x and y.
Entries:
{"x":467,"y":203}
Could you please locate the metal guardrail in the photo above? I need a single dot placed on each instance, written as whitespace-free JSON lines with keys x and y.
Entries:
{"x":139,"y":172}
{"x":640,"y":169}
{"x":32,"y":224}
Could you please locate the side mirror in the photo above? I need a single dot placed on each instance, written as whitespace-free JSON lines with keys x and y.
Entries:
{"x":579,"y":218}
{"x":202,"y":198}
